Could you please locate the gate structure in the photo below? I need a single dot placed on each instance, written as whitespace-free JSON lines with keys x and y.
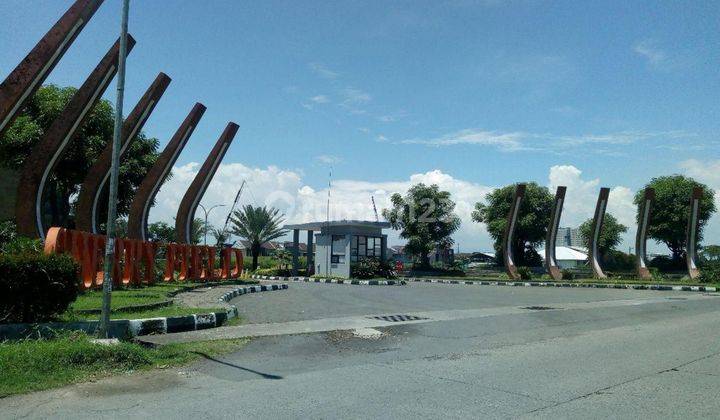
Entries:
{"x":146,"y":192}
{"x":600,"y":208}
{"x":46,"y":154}
{"x":29,"y":75}
{"x":94,"y":185}
{"x":189,"y":203}
{"x":641,"y":236}
{"x":550,"y":261}
{"x":507,"y":246}
{"x":692,"y":229}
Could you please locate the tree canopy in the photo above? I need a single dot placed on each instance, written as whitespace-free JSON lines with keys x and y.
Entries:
{"x":669,"y":217}
{"x":37,"y":116}
{"x":257,"y":225}
{"x":533,"y":218}
{"x":610,"y":232}
{"x":425,"y":219}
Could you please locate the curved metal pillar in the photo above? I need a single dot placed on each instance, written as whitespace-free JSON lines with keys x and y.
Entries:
{"x":600,"y":208}
{"x":641,"y":236}
{"x":550,"y":262}
{"x":29,"y":75}
{"x":507,"y":248}
{"x":189,"y":203}
{"x":88,"y":204}
{"x":46,"y":154}
{"x":145,"y":194}
{"x":692,"y":229}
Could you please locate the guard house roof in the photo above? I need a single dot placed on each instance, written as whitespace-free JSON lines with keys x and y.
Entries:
{"x":352,"y":223}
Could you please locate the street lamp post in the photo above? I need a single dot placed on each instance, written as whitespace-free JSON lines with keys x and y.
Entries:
{"x":206,"y":218}
{"x":104,"y":329}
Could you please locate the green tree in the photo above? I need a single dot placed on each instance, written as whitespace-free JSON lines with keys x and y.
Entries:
{"x":425,"y":219}
{"x":283,"y":257}
{"x":711,"y":253}
{"x":37,"y":116}
{"x":668,"y":222}
{"x":609,"y":234}
{"x":162,"y":232}
{"x":532,"y":221}
{"x":257,"y":225}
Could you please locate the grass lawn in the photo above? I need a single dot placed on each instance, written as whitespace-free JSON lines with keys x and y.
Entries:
{"x":33,"y":365}
{"x":124,"y":299}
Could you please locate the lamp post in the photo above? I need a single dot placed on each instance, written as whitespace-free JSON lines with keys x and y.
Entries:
{"x":114,"y":175}
{"x":206,"y":218}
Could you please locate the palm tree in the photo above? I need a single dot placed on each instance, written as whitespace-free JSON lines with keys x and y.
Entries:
{"x":257,"y":225}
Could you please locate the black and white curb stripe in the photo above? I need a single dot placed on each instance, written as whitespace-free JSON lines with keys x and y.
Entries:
{"x":197,"y":321}
{"x":333,"y":281}
{"x":661,"y":287}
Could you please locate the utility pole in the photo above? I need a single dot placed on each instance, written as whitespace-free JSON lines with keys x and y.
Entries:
{"x":114,"y":175}
{"x":206,"y":218}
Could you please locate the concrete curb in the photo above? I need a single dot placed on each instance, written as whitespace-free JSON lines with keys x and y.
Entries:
{"x":333,"y":281}
{"x":129,"y":328}
{"x":669,"y":287}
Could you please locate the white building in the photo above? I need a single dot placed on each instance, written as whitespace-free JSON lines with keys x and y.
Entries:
{"x":567,"y":257}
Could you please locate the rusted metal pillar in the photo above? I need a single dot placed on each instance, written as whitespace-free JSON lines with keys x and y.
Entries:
{"x":550,"y":262}
{"x":146,"y":192}
{"x":641,"y":235}
{"x":600,"y":208}
{"x":88,"y":204}
{"x":692,"y":230}
{"x":507,"y":246}
{"x":46,"y":154}
{"x":192,"y":197}
{"x":29,"y":75}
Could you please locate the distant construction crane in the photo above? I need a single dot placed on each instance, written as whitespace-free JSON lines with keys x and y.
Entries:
{"x":232,"y":209}
{"x":372,"y":198}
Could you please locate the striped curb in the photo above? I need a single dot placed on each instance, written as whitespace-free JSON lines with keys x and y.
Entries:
{"x":333,"y":281}
{"x":668,"y":287}
{"x":129,"y":328}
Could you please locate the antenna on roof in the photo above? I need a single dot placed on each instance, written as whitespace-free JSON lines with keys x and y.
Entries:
{"x":227,"y":220}
{"x":377,"y":219}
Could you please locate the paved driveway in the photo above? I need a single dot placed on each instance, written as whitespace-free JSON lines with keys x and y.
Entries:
{"x":607,"y":354}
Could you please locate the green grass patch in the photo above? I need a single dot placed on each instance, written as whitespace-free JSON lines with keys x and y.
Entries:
{"x":34,"y":365}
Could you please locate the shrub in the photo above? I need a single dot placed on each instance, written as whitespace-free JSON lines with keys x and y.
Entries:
{"x":710,"y":273}
{"x":22,"y":245}
{"x":525,"y":273}
{"x":369,"y":268}
{"x":567,"y":274}
{"x":36,"y":287}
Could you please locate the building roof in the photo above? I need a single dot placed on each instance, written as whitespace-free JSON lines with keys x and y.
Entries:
{"x":353,"y":223}
{"x":566,"y":253}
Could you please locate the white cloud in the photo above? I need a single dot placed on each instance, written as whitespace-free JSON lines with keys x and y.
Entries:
{"x":355,"y":96}
{"x":320,"y":99}
{"x":581,"y":197}
{"x":523,"y":141}
{"x":503,"y":141}
{"x":707,"y":172}
{"x":284,"y":189}
{"x":381,"y":138}
{"x":647,"y":49}
{"x":322,"y":71}
{"x":387,"y":118}
{"x":328,"y":159}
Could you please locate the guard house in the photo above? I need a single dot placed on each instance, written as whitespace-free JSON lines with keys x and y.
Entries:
{"x":338,"y":244}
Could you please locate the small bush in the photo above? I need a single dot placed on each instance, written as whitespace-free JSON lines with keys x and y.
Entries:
{"x":36,"y":287}
{"x":369,"y":268}
{"x":22,"y":245}
{"x":710,"y":273}
{"x":525,"y":273}
{"x":567,"y":274}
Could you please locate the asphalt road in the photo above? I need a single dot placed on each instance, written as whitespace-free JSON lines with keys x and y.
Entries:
{"x":657,"y":357}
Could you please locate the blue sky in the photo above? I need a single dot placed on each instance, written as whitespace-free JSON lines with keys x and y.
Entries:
{"x":476,"y":94}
